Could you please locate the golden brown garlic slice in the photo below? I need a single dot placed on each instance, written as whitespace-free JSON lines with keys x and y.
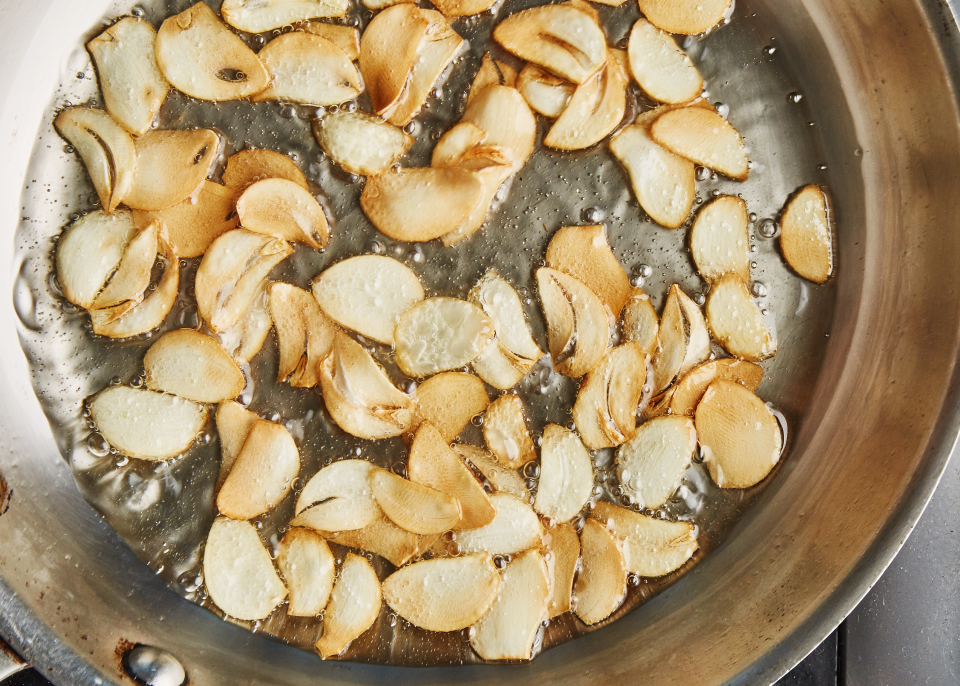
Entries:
{"x":507,"y":631}
{"x":503,"y":479}
{"x":360,"y":143}
{"x":384,"y":538}
{"x":145,"y":424}
{"x":133,"y":87}
{"x":664,"y":183}
{"x":171,"y":167}
{"x":307,"y":566}
{"x":502,"y":113}
{"x":443,"y":594}
{"x":491,"y":73}
{"x":194,"y":224}
{"x":606,"y":408}
{"x":640,"y":323}
{"x":353,"y":608}
{"x":413,"y":507}
{"x":513,"y":352}
{"x":685,"y":16}
{"x":248,"y":166}
{"x":304,"y":334}
{"x":560,"y":38}
{"x":438,"y":334}
{"x":259,"y":16}
{"x":192,"y":365}
{"x":690,"y":389}
{"x":515,"y":528}
{"x":736,"y":322}
{"x":684,"y":341}
{"x":740,"y":437}
{"x":244,"y":339}
{"x":232,"y":273}
{"x":505,"y":431}
{"x":367,"y":294}
{"x":338,"y":498}
{"x":701,"y":135}
{"x":661,"y":67}
{"x":282,"y":209}
{"x":308,"y":69}
{"x":347,"y":38}
{"x":651,"y":465}
{"x":806,"y":234}
{"x":389,"y":49}
{"x":263,"y":473}
{"x":595,"y":109}
{"x":651,"y":547}
{"x":602,"y":583}
{"x":566,"y":475}
{"x":238,"y":572}
{"x":420,"y":204}
{"x":719,"y":240}
{"x":359,"y":396}
{"x":204,"y":59}
{"x":563,"y":544}
{"x":584,"y":253}
{"x":234,"y":423}
{"x":449,"y":401}
{"x":107,"y":150}
{"x":433,"y":464}
{"x":577,"y":322}
{"x":545,"y":93}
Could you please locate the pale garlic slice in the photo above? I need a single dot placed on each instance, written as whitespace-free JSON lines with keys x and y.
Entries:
{"x":90,"y":251}
{"x":806,"y":234}
{"x":491,"y":73}
{"x":260,"y":16}
{"x":736,"y":322}
{"x":515,"y":528}
{"x":192,"y":365}
{"x":651,"y":547}
{"x":640,"y":323}
{"x":464,"y":8}
{"x":664,"y":183}
{"x":661,"y":67}
{"x":232,"y":273}
{"x":347,"y":38}
{"x":306,"y":563}
{"x":243,"y":340}
{"x":419,"y":205}
{"x":107,"y":150}
{"x":282,"y":209}
{"x":367,"y":294}
{"x":234,"y":423}
{"x":449,"y":401}
{"x":360,"y":143}
{"x":740,"y":436}
{"x":133,"y":87}
{"x":513,"y":352}
{"x":204,"y":59}
{"x":501,"y":478}
{"x":606,"y":408}
{"x":145,"y":424}
{"x":413,"y":507}
{"x":338,"y":498}
{"x":238,"y":572}
{"x":389,"y":48}
{"x":248,"y":166}
{"x":195,"y":223}
{"x":384,"y":538}
{"x":566,"y":475}
{"x":491,"y":179}
{"x":563,"y":544}
{"x":584,"y":253}
{"x":595,"y":109}
{"x":438,"y":334}
{"x":171,"y":167}
{"x":507,"y":631}
{"x":691,"y":387}
{"x":505,"y":431}
{"x":545,"y":93}
{"x":703,"y":136}
{"x":684,"y":340}
{"x":443,"y":594}
{"x":719,"y":240}
{"x":687,"y":17}
{"x":560,"y":38}
{"x":304,"y":334}
{"x":308,"y":69}
{"x":360,"y":397}
{"x":262,"y":474}
{"x":602,"y":583}
{"x":577,"y":322}
{"x":433,"y":464}
{"x":353,"y":608}
{"x":651,"y":465}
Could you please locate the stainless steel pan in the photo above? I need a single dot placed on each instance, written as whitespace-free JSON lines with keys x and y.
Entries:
{"x":880,"y":77}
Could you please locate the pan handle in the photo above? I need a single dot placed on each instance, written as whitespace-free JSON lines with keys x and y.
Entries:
{"x":10,"y":662}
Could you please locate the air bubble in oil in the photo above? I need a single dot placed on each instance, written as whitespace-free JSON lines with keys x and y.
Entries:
{"x":768,"y":228}
{"x":154,"y":667}
{"x":759,"y":289}
{"x":594,"y":215}
{"x":97,"y":445}
{"x":795,"y":97}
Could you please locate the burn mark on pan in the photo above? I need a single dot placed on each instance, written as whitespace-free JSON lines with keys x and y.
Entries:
{"x":6,"y":493}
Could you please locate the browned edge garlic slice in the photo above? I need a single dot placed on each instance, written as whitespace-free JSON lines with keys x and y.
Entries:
{"x":606,"y":408}
{"x":171,"y":167}
{"x":246,"y":167}
{"x":595,"y":109}
{"x":736,"y":322}
{"x":263,"y":473}
{"x":347,"y":38}
{"x":338,"y":498}
{"x":353,"y":608}
{"x":192,"y":365}
{"x":688,"y":17}
{"x":719,"y":239}
{"x":413,"y":507}
{"x":566,"y":475}
{"x":234,"y":423}
{"x":662,"y":69}
{"x":515,"y":528}
{"x":193,"y":226}
{"x":640,"y":323}
{"x":577,"y":322}
{"x":584,"y":253}
{"x":545,"y":93}
{"x":382,"y":537}
{"x":651,"y":547}
{"x":305,"y":560}
{"x":563,"y":544}
{"x":651,"y":465}
{"x":503,"y":479}
{"x":304,"y":334}
{"x":491,"y":73}
{"x":89,"y":252}
{"x":703,"y":136}
{"x":684,"y":340}
{"x":505,"y":431}
{"x":282,"y":209}
{"x":691,"y":387}
{"x":449,"y":401}
{"x":308,"y":69}
{"x":602,"y":583}
{"x":389,"y":49}
{"x":260,"y":16}
{"x":806,"y":234}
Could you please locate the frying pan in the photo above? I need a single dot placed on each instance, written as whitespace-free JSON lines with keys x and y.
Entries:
{"x":880,"y":78}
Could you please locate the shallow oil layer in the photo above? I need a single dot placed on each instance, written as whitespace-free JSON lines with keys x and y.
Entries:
{"x":164,"y":510}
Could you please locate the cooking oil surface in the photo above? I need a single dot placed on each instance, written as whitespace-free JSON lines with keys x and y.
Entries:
{"x":164,"y":510}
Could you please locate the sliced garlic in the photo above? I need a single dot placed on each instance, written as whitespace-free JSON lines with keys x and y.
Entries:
{"x":90,"y":251}
{"x":545,"y":93}
{"x":438,"y":334}
{"x":661,"y":67}
{"x":307,"y":566}
{"x":703,"y":136}
{"x":684,"y":341}
{"x":263,"y":473}
{"x":736,"y":321}
{"x":503,"y":479}
{"x":282,"y":209}
{"x":248,"y":166}
{"x":193,"y":225}
{"x":514,"y":529}
{"x":577,"y":322}
{"x":640,"y":322}
{"x":244,"y":339}
{"x":719,"y":240}
{"x":491,"y":73}
{"x":595,"y":109}
{"x":651,"y":465}
{"x":505,"y":431}
{"x":685,"y":16}
{"x":690,"y":389}
{"x":354,"y":605}
{"x":389,"y":49}
{"x":384,"y":538}
{"x":602,"y":583}
{"x":651,"y":547}
{"x":606,"y":408}
{"x":171,"y":167}
{"x":566,"y":475}
{"x":502,"y":113}
{"x":234,"y":423}
{"x":449,"y":401}
{"x":338,"y":498}
{"x":260,"y":16}
{"x":308,"y":69}
{"x":192,"y":365}
{"x":361,"y":144}
{"x":563,"y":544}
{"x":304,"y":334}
{"x":414,"y":508}
{"x":584,"y":253}
{"x":347,"y":38}
{"x":132,"y":277}
{"x":806,"y":234}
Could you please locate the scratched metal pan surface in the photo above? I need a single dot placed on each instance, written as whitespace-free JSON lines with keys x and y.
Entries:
{"x":864,"y":376}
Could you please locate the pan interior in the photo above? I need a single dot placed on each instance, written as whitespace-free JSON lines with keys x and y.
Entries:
{"x":164,"y":511}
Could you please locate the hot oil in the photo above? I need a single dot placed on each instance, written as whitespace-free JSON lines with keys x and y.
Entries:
{"x":163,"y":511}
